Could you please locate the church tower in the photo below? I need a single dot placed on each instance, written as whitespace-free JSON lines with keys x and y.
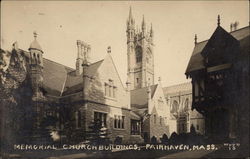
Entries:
{"x":36,"y":67}
{"x":140,"y":54}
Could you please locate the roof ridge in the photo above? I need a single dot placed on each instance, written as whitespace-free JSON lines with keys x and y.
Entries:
{"x":185,"y":83}
{"x":239,"y":29}
{"x":226,"y":31}
{"x":58,"y":63}
{"x":144,"y":87}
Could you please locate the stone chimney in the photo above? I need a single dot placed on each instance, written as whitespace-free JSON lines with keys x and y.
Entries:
{"x":79,"y":60}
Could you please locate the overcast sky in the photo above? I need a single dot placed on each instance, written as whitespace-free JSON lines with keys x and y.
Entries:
{"x":103,"y":23}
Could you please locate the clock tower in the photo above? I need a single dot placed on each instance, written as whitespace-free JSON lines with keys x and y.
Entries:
{"x":140,"y":54}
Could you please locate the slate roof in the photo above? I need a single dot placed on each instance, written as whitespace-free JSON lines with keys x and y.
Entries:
{"x":74,"y":83}
{"x":59,"y":80}
{"x":54,"y":76}
{"x":183,"y":87}
{"x":196,"y":59}
{"x":139,"y":96}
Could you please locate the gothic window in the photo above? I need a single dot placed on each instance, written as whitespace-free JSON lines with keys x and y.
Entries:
{"x":102,"y":117}
{"x":175,"y":106}
{"x":186,"y":104}
{"x":38,"y":58}
{"x":137,"y":80}
{"x":138,"y":54}
{"x":106,"y":89}
{"x":119,"y":121}
{"x":154,"y":118}
{"x":160,"y":103}
{"x":135,"y":127}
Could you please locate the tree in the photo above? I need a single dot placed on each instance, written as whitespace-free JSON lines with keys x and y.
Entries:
{"x":164,"y":139}
{"x":98,"y":134}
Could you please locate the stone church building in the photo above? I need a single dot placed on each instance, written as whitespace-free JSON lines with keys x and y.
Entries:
{"x":68,"y":100}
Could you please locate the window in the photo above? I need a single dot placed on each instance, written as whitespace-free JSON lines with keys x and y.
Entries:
{"x":135,"y":127}
{"x":138,"y":54}
{"x":175,"y":106}
{"x":154,"y":118}
{"x":137,"y":80}
{"x":186,"y":105}
{"x":78,"y":119}
{"x":102,"y":117}
{"x":197,"y":127}
{"x":160,"y":103}
{"x":110,"y":89}
{"x":106,"y":89}
{"x":119,"y":121}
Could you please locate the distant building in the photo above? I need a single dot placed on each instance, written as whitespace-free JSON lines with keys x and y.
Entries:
{"x":147,"y":98}
{"x":179,"y":97}
{"x":219,"y":69}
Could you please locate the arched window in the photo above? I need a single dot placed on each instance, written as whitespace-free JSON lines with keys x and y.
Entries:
{"x":175,"y":107}
{"x":38,"y":58}
{"x":138,"y":54}
{"x":186,"y":105}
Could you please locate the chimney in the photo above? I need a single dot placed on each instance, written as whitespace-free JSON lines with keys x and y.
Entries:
{"x":88,"y":53}
{"x":109,"y":49}
{"x":78,"y":43}
{"x":79,"y":59}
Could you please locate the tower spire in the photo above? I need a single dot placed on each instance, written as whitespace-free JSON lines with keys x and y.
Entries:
{"x":143,"y":24}
{"x":130,"y":13}
{"x":151,"y":30}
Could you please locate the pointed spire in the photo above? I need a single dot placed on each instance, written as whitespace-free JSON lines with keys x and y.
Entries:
{"x":130,"y":13}
{"x":143,"y":24}
{"x":195,"y":39}
{"x":218,"y":20}
{"x":151,"y":30}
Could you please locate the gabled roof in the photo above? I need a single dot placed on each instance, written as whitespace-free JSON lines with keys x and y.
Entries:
{"x":139,"y":97}
{"x":54,"y":76}
{"x":74,"y":83}
{"x":196,"y":59}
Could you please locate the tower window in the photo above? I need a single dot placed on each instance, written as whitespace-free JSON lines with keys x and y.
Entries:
{"x":137,"y":80}
{"x":138,"y":54}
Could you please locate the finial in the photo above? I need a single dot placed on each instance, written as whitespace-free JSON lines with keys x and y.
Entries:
{"x":195,"y":39}
{"x":218,"y":20}
{"x":130,"y":12}
{"x":35,"y":34}
{"x":109,"y":49}
{"x":151,"y":30}
{"x":159,"y":79}
{"x":231,"y":27}
{"x":143,"y":23}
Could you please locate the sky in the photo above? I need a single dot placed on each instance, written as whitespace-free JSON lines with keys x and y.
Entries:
{"x":103,"y":23}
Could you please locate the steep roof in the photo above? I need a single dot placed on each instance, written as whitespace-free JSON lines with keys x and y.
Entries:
{"x":196,"y":59}
{"x":61,"y":80}
{"x":54,"y":76}
{"x":74,"y":83}
{"x":35,"y":45}
{"x":139,"y":97}
{"x":177,"y":88}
